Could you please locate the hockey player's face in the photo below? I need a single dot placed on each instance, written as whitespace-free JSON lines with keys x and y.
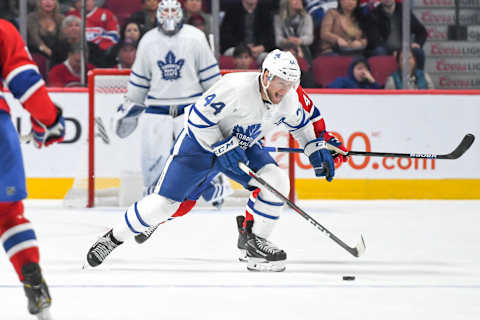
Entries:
{"x":278,"y":89}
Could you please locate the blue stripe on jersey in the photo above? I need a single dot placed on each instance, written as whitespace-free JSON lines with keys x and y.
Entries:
{"x":23,"y":81}
{"x":315,"y":113}
{"x":138,"y":85}
{"x":199,"y":125}
{"x":113,"y":35}
{"x":201,"y":116}
{"x":139,"y":217}
{"x":128,"y":223}
{"x":19,"y":237}
{"x":250,"y":205}
{"x":301,"y":125}
{"x":192,"y":96}
{"x":139,"y":76}
{"x":277,"y":204}
{"x":209,"y":67}
{"x":211,"y":77}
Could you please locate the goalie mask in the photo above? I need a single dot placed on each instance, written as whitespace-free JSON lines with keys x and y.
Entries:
{"x":283,"y":65}
{"x":170,"y":16}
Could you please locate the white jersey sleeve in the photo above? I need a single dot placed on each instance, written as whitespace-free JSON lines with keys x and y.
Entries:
{"x":140,"y":76}
{"x":208,"y":69}
{"x":298,"y":121}
{"x":203,"y":121}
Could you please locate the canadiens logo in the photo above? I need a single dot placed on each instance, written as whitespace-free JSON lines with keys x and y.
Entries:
{"x":171,"y":67}
{"x":246,"y":136}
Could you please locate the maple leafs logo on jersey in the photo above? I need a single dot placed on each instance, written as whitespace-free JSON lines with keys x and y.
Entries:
{"x":246,"y":136}
{"x":171,"y":68}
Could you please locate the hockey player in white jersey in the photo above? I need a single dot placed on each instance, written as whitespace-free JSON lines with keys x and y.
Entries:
{"x":173,"y":67}
{"x":224,"y":127}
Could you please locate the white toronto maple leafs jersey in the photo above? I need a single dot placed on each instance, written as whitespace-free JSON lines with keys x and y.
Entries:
{"x":172,"y":70}
{"x":234,"y":106}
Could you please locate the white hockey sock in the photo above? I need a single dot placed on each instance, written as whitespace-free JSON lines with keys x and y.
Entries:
{"x":265,"y":215}
{"x":266,"y":208}
{"x":147,"y":212}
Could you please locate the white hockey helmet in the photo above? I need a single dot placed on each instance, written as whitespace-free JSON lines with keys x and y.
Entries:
{"x":283,"y":65}
{"x":170,"y":16}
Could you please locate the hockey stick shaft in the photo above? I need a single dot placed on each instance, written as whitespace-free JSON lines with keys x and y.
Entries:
{"x":464,"y":145}
{"x":355,"y":251}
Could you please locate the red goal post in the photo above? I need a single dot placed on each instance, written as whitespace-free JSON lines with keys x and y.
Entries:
{"x":106,"y":82}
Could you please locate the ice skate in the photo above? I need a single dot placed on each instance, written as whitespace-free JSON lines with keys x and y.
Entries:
{"x":36,"y":290}
{"x":102,"y":248}
{"x":263,"y":255}
{"x":242,"y":239}
{"x":142,"y":237}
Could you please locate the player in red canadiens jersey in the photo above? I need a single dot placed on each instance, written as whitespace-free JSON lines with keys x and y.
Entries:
{"x":21,"y":76}
{"x":320,"y":132}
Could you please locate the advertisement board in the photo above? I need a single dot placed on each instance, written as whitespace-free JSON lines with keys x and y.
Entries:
{"x":423,"y":123}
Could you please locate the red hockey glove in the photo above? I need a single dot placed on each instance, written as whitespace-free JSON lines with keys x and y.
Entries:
{"x":336,"y":148}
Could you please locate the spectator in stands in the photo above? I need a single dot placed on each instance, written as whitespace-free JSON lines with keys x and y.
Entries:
{"x":8,"y":12}
{"x":359,"y":77}
{"x":294,"y":25}
{"x":419,"y":79}
{"x":71,"y":35}
{"x":67,"y":74}
{"x":44,"y":27}
{"x":198,"y":22}
{"x":15,"y":6}
{"x":242,"y":57}
{"x":249,"y":23}
{"x":193,"y":8}
{"x":307,"y":79}
{"x":126,"y":54}
{"x":133,"y":31}
{"x":385,"y":29}
{"x":101,"y":25}
{"x":147,"y":17}
{"x":343,"y":30}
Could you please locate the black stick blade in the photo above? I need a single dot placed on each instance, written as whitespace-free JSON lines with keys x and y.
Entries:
{"x":466,"y":143}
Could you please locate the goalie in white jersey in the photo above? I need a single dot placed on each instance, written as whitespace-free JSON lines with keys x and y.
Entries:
{"x":173,"y":67}
{"x":224,"y":127}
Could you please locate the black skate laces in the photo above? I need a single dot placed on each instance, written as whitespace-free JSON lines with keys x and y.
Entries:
{"x":149,"y":231}
{"x":266,"y":246}
{"x":103,"y":248}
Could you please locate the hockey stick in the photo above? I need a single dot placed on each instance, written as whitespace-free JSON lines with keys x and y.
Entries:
{"x":464,"y":145}
{"x":355,"y":251}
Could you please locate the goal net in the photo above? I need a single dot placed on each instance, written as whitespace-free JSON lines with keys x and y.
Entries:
{"x":112,"y":175}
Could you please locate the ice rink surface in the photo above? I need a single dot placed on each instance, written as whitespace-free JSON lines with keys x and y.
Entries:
{"x":422,"y":262}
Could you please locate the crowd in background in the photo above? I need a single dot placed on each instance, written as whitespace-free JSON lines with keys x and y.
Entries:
{"x":359,"y":29}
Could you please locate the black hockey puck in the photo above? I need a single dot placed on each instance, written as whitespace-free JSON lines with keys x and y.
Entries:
{"x":348,"y":278}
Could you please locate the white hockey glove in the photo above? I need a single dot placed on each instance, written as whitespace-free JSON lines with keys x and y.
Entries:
{"x":126,"y":118}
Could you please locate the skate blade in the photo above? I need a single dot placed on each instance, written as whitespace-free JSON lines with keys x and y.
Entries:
{"x":243,"y":255}
{"x":262,"y":265}
{"x":44,"y":314}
